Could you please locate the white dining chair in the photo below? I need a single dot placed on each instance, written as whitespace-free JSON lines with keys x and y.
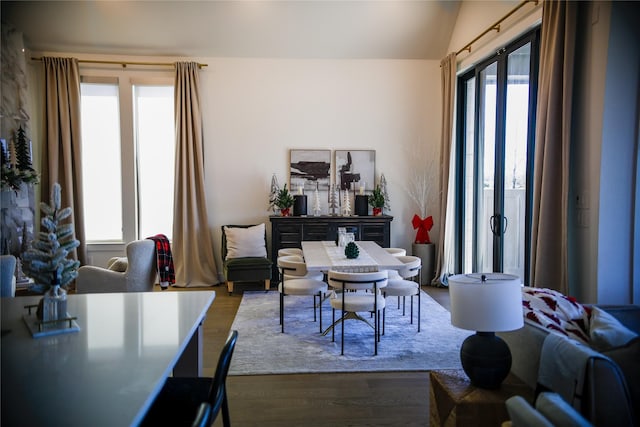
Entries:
{"x":297,"y":281}
{"x":403,"y":284}
{"x":290,"y":251}
{"x":357,"y":292}
{"x":396,"y":251}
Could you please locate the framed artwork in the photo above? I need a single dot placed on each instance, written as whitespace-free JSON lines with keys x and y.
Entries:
{"x":309,"y":168}
{"x":355,"y":168}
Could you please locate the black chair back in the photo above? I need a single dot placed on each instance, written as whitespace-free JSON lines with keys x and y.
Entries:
{"x":218,"y":391}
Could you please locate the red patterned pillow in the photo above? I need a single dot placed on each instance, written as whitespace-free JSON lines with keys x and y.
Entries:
{"x":556,"y":312}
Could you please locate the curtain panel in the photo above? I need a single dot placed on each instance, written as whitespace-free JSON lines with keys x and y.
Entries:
{"x":192,"y":244}
{"x":549,"y":251}
{"x":62,"y":151}
{"x":448,"y":79}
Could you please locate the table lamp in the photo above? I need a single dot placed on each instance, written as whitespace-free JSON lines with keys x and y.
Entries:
{"x":486,"y":303}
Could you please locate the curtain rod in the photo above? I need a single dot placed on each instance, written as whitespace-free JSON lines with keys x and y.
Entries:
{"x":495,"y":26}
{"x":124,"y":64}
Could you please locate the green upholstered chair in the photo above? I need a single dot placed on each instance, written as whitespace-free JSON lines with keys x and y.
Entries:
{"x":244,"y":255}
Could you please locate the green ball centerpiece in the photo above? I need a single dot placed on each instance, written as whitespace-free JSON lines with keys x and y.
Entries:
{"x":351,"y":251}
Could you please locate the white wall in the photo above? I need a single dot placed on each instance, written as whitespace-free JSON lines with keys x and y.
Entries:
{"x":584,"y":193}
{"x":256,"y":110}
{"x":475,"y":17}
{"x":619,"y":154}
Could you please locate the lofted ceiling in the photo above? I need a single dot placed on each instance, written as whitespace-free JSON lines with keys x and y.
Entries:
{"x":388,"y":29}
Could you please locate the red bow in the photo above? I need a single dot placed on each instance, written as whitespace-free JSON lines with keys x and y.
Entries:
{"x":423,"y":226}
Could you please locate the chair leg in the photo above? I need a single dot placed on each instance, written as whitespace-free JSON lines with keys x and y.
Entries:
{"x":319,"y":308}
{"x":333,"y":322}
{"x":229,"y":287}
{"x":226,"y":421}
{"x":267,"y":285}
{"x":419,"y":292}
{"x":384,"y":318}
{"x":411,"y":309}
{"x":376,"y":328}
{"x":281,"y":312}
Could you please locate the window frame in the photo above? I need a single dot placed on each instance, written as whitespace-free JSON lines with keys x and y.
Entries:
{"x":125,"y":80}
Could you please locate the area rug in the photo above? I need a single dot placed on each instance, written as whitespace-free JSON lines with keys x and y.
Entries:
{"x":263,"y":349}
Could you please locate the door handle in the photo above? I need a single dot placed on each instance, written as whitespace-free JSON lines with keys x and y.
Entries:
{"x":494,"y":223}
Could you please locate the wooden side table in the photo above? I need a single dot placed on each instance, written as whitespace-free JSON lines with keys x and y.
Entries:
{"x":453,"y":401}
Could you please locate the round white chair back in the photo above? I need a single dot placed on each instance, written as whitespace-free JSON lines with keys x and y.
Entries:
{"x":411,"y":267}
{"x":357,"y":281}
{"x":292,"y":265}
{"x":289,"y":251}
{"x":396,"y":251}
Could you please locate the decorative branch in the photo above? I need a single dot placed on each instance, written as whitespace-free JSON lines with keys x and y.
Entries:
{"x":420,"y":186}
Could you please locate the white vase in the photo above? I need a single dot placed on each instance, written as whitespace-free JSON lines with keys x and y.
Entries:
{"x":54,"y":304}
{"x":426,"y":252}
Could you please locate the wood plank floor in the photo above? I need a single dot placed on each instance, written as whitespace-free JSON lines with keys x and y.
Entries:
{"x":346,"y":399}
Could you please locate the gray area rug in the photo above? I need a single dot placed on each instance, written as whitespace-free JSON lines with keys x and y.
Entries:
{"x":263,"y":349}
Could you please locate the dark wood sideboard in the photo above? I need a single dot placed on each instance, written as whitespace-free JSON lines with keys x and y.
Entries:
{"x":289,"y":231}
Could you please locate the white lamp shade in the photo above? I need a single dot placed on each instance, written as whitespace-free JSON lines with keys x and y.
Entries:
{"x":492,"y":305}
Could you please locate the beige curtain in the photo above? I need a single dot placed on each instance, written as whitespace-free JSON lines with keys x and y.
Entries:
{"x":549,"y":251}
{"x":61,"y":154}
{"x":448,"y":79}
{"x":192,"y":245}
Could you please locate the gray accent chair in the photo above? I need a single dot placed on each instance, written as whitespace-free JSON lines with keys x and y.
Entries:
{"x":7,"y":276}
{"x":140,"y":274}
{"x":245,"y":269}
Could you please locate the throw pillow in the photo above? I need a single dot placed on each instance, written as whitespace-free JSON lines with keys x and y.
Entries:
{"x":606,"y":331}
{"x":555,"y":312}
{"x":245,"y":242}
{"x":118,"y":264}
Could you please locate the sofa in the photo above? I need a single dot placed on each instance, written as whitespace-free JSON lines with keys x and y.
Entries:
{"x":600,"y":343}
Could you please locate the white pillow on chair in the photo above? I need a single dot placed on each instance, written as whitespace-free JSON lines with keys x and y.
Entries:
{"x":245,"y":242}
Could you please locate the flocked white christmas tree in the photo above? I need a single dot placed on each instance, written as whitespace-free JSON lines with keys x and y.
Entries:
{"x":46,"y":261}
{"x":273,"y":193}
{"x":385,"y":193}
{"x":346,"y":204}
{"x":317,"y":209}
{"x":334,"y":199}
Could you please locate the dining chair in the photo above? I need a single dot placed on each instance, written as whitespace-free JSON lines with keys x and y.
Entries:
{"x":180,"y":402}
{"x":403,"y":284}
{"x":358,"y":292}
{"x":290,"y":274}
{"x":296,"y":280}
{"x":290,"y":251}
{"x":396,"y":251}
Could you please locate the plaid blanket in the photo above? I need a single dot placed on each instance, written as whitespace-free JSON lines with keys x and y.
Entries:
{"x":164,"y":260}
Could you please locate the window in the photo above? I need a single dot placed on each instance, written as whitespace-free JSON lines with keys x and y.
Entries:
{"x":496,"y":102}
{"x":128,"y":149}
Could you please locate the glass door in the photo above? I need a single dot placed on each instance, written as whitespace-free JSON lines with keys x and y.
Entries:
{"x":497,"y":106}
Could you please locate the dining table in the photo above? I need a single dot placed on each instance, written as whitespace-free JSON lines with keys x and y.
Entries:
{"x":327,"y":255}
{"x":108,"y":370}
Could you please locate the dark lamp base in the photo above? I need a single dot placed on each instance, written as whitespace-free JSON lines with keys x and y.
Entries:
{"x":486,"y":359}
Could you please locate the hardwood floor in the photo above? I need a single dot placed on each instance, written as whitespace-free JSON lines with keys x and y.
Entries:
{"x":346,"y":399}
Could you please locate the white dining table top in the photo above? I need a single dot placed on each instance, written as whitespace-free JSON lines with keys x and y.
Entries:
{"x":326,"y":255}
{"x":107,"y":373}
